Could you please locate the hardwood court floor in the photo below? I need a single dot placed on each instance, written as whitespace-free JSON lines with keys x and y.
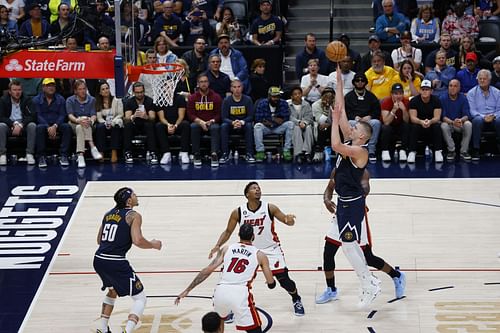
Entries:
{"x":441,"y":232}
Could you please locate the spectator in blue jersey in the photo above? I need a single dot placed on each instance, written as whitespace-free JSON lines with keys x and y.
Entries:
{"x":50,"y":108}
{"x":168,"y":25}
{"x":468,"y":75}
{"x":484,"y":102}
{"x":390,"y":25}
{"x":425,"y":28}
{"x":233,"y":62}
{"x":266,"y":29}
{"x":237,"y":117}
{"x":441,"y":75}
{"x":36,"y":26}
{"x":310,"y":52}
{"x":272,"y":116}
{"x":455,"y":119}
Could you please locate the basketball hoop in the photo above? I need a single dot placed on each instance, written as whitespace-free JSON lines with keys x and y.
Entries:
{"x":165,"y":79}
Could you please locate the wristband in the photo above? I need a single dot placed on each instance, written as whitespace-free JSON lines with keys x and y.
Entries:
{"x":272,"y":285}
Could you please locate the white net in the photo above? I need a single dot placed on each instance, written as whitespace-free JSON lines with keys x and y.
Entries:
{"x":164,"y":84}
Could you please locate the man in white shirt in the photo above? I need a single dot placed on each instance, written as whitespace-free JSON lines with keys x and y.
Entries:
{"x":347,"y":76}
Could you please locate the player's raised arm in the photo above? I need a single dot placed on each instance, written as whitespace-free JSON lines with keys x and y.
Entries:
{"x":288,"y":219}
{"x":224,"y":236}
{"x":203,"y":274}
{"x":339,"y":99}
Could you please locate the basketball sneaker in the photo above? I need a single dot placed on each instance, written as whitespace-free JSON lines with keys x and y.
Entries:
{"x":298,"y":308}
{"x":327,"y":296}
{"x":229,"y":318}
{"x":369,"y":292}
{"x":101,"y":331}
{"x":400,"y":284}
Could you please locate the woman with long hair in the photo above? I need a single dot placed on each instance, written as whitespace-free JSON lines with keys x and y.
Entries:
{"x":229,"y":26}
{"x":467,"y":45}
{"x":163,"y":54}
{"x":109,"y":120}
{"x":425,"y":28}
{"x":184,"y":86}
{"x":258,"y":81}
{"x":409,"y":79}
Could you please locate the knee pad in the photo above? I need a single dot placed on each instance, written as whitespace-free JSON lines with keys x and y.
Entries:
{"x":285,"y":281}
{"x":139,"y":304}
{"x":109,"y":300}
{"x":329,"y":256}
{"x":372,"y":260}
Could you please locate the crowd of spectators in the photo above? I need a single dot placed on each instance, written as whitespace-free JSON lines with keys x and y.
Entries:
{"x":405,"y":96}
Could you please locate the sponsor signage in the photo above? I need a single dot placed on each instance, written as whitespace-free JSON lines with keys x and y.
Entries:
{"x":58,"y":64}
{"x":32,"y":222}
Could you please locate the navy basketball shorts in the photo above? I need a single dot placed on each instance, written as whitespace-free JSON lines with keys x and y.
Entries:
{"x":119,"y":275}
{"x":350,"y":215}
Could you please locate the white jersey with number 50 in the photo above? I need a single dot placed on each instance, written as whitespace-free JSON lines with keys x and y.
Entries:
{"x":240,"y":264}
{"x":263,"y":225}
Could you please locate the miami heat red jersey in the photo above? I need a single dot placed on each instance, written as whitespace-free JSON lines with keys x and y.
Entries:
{"x":263,"y":225}
{"x":240,"y":264}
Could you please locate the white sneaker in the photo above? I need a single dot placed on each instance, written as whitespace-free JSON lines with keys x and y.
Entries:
{"x":96,"y":155}
{"x":402,"y":156}
{"x":411,"y":157}
{"x":166,"y":158}
{"x":3,"y":159}
{"x":184,"y":157}
{"x":386,"y":157}
{"x":30,"y":159}
{"x":438,"y":156}
{"x":81,"y":161}
{"x":369,"y":293}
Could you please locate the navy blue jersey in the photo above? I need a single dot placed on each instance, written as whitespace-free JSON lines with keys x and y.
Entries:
{"x":348,"y":177}
{"x":115,"y":237}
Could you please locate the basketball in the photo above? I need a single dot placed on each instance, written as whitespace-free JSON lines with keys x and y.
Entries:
{"x":336,"y":51}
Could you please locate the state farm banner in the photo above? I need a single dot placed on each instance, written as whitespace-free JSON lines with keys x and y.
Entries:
{"x":58,"y":64}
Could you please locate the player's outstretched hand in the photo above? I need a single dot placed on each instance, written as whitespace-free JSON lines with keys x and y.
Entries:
{"x":178,"y":298}
{"x":290,"y":219}
{"x":156,"y":244}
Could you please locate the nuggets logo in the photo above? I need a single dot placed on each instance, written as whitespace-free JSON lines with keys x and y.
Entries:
{"x":348,"y":236}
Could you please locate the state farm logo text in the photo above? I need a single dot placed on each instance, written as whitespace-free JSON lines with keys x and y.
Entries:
{"x":32,"y":65}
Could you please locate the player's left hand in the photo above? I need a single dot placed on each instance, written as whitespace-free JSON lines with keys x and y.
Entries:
{"x":290,"y":219}
{"x":181,"y":296}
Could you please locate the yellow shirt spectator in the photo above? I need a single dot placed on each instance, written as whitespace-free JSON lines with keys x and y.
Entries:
{"x":380,"y":82}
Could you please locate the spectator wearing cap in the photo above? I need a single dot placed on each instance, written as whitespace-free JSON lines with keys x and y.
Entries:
{"x":406,"y":52}
{"x":395,"y":123}
{"x":373,"y":46}
{"x":35,"y":26}
{"x":425,"y":28}
{"x":390,"y":25}
{"x":303,"y":124}
{"x":233,"y":62}
{"x":355,"y":56}
{"x":195,"y":26}
{"x":459,"y":24}
{"x":347,"y":76}
{"x":266,"y":29}
{"x":50,"y":109}
{"x":362,"y":104}
{"x":456,"y":119}
{"x":380,"y":77}
{"x":484,"y":103}
{"x":17,"y":119}
{"x":495,"y":73}
{"x":309,"y":52}
{"x":312,"y":84}
{"x":219,"y":81}
{"x":272,"y":116}
{"x":445,"y":45}
{"x":468,"y":75}
{"x":425,"y":117}
{"x":441,"y":75}
{"x":322,"y":122}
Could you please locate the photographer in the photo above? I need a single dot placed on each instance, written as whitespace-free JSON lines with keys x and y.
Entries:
{"x":196,"y":26}
{"x":229,"y":26}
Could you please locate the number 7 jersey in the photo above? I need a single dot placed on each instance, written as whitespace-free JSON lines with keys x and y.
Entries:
{"x":263,"y":225}
{"x":240,"y":264}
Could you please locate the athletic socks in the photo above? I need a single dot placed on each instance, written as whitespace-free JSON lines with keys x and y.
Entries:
{"x":331,"y":283}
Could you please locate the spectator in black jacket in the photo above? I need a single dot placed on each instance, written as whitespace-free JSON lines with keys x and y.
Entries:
{"x":17,"y":118}
{"x":197,"y":59}
{"x":310,"y":52}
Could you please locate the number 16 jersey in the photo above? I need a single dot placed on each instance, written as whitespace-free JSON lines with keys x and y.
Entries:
{"x":263,"y":225}
{"x":240,"y":264}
